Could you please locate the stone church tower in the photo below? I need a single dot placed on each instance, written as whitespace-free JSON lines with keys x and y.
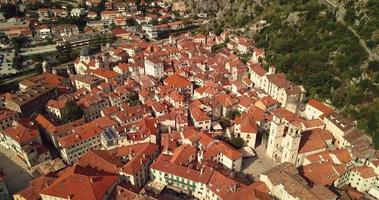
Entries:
{"x":291,"y":143}
{"x":275,"y":136}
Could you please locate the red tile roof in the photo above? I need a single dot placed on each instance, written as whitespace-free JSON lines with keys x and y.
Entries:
{"x":257,"y":114}
{"x":284,"y":113}
{"x":108,"y":74}
{"x":248,"y":124}
{"x":326,"y":110}
{"x":226,"y":100}
{"x":279,"y":80}
{"x":341,"y":155}
{"x":5,"y":113}
{"x":257,"y":190}
{"x":245,"y":101}
{"x":366,"y":172}
{"x":217,"y":147}
{"x":57,"y":104}
{"x":162,"y":164}
{"x":268,"y":101}
{"x":169,"y":141}
{"x":329,"y":171}
{"x":258,"y":69}
{"x":223,"y":186}
{"x":86,"y":131}
{"x":312,"y":140}
{"x":101,"y":160}
{"x":137,"y":155}
{"x":80,"y":134}
{"x":21,"y":134}
{"x":80,"y":183}
{"x":182,"y":154}
{"x":34,"y":188}
{"x":177,"y":81}
{"x":175,"y":96}
{"x":198,"y":115}
{"x":119,"y":31}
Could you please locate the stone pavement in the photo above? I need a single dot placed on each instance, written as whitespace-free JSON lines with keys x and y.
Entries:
{"x":256,"y":165}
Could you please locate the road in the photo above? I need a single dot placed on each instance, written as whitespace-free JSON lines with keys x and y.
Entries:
{"x":17,"y":78}
{"x":38,"y":50}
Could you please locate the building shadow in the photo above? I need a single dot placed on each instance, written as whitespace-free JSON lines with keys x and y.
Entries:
{"x":16,"y":177}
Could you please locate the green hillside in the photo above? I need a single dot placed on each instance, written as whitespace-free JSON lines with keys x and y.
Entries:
{"x":307,"y":42}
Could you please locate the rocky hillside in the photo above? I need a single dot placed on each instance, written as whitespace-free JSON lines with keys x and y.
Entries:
{"x":310,"y":42}
{"x":363,"y":16}
{"x":228,"y":13}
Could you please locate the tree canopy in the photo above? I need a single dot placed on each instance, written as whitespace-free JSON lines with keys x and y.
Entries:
{"x":72,"y":112}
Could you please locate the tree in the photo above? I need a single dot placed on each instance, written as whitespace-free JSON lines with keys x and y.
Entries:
{"x":17,"y":62}
{"x":65,"y":53}
{"x":258,"y":9}
{"x":372,"y":124}
{"x":237,"y":142}
{"x":350,"y":15}
{"x":375,"y":140}
{"x":72,"y":112}
{"x":17,"y":44}
{"x":97,"y":9}
{"x":313,"y":11}
{"x":216,"y":47}
{"x":10,"y":10}
{"x":133,"y":98}
{"x":154,"y":22}
{"x":233,"y":114}
{"x":374,"y":66}
{"x":244,"y":58}
{"x":131,"y":21}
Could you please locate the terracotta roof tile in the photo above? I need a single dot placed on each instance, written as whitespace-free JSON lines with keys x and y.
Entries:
{"x":326,"y":110}
{"x":177,"y":81}
{"x":365,"y":172}
{"x":162,"y":164}
{"x":34,"y":188}
{"x":198,"y":115}
{"x":182,"y":154}
{"x":79,"y":183}
{"x":21,"y":134}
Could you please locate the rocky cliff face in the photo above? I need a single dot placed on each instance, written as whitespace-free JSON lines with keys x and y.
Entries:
{"x":228,"y":12}
{"x":207,"y":6}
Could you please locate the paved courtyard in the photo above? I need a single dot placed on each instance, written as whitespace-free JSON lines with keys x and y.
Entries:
{"x":256,"y":165}
{"x":15,"y":170}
